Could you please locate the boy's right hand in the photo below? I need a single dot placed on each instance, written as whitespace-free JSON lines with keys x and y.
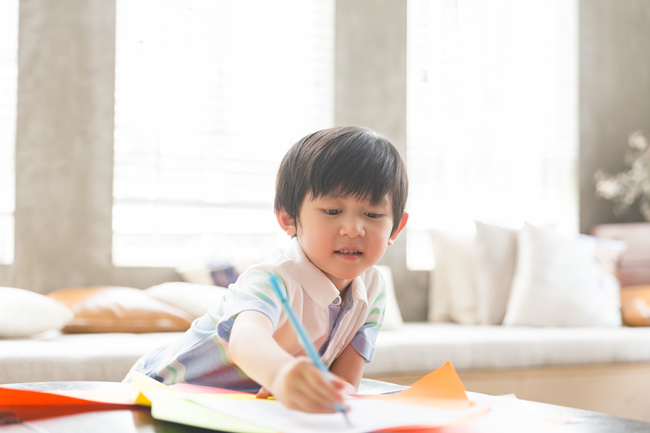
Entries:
{"x":300,"y":385}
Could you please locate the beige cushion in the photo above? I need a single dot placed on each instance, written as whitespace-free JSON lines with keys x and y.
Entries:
{"x":452,"y":295}
{"x":119,"y":309}
{"x":496,"y":254}
{"x":635,"y":305}
{"x":24,"y":313}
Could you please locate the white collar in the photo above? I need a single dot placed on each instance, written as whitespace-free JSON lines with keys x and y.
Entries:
{"x":317,"y":285}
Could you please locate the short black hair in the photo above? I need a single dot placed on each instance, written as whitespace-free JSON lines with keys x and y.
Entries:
{"x":345,"y":161}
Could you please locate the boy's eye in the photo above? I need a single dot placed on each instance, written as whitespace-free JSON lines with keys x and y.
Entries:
{"x":373,"y":215}
{"x":332,"y":211}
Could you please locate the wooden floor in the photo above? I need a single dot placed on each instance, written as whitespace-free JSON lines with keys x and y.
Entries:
{"x":615,"y":389}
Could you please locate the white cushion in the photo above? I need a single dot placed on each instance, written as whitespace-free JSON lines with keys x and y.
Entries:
{"x":452,"y":295}
{"x":496,"y":254}
{"x":193,"y":298}
{"x":24,"y":313}
{"x":558,"y":282}
{"x":392,"y":317}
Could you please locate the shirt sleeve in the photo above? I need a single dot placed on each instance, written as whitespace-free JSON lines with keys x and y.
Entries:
{"x":254,"y":293}
{"x":365,"y":338}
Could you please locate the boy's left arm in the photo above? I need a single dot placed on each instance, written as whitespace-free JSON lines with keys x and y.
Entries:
{"x":349,"y":367}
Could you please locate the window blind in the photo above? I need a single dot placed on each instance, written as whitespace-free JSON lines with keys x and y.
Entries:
{"x":492,"y":116}
{"x":209,"y":96}
{"x":8,"y":95}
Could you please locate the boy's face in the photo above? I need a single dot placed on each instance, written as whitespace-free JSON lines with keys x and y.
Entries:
{"x":343,"y":236}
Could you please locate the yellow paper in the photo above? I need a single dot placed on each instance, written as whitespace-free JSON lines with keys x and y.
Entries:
{"x":167,"y":404}
{"x":140,"y":383}
{"x":173,"y":406}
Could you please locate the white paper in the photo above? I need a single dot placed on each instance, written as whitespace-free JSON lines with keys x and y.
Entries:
{"x":365,"y":415}
{"x":508,"y":414}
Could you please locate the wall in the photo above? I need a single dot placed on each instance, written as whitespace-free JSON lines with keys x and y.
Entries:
{"x":64,"y":150}
{"x":614,"y":96}
{"x":371,"y":91}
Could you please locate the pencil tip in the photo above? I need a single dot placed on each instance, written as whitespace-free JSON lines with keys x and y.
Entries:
{"x":345,"y":414}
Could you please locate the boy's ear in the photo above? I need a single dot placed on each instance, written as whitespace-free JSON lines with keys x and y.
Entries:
{"x":287,"y":224}
{"x":402,"y":223}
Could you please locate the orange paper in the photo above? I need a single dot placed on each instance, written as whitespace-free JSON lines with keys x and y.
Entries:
{"x":441,"y":388}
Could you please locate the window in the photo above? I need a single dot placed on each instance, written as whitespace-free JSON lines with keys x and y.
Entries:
{"x":492,"y":116}
{"x":8,"y":95}
{"x":209,"y":96}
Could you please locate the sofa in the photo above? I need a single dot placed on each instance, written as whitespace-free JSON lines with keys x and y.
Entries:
{"x":601,"y":368}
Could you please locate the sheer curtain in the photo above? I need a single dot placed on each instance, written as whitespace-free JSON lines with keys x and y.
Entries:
{"x":8,"y":95}
{"x":492,"y":116}
{"x":209,"y":96}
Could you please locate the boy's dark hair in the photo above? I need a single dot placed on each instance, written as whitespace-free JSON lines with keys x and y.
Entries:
{"x":348,"y":161}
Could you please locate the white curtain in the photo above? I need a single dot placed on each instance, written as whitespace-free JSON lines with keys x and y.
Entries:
{"x":209,"y":96}
{"x":8,"y":95}
{"x":492,"y":116}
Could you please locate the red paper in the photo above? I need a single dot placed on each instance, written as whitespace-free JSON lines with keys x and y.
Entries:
{"x":21,"y":405}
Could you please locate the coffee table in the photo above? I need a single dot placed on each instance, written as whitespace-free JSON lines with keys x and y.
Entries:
{"x":140,"y":420}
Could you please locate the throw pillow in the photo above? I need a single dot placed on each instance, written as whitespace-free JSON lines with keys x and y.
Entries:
{"x":218,"y":272}
{"x":195,"y":299}
{"x":119,"y":309}
{"x":635,"y":305}
{"x":24,"y":313}
{"x":392,"y":317}
{"x":199,"y":274}
{"x":607,"y":252}
{"x":558,"y":282}
{"x":452,"y":295}
{"x":496,"y":255}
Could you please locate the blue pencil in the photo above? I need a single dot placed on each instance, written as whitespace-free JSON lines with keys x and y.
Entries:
{"x":307,"y":345}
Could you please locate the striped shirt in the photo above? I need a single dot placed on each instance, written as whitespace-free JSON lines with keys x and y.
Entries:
{"x":201,"y":356}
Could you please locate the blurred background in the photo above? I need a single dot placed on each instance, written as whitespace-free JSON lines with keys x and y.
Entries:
{"x":138,"y":137}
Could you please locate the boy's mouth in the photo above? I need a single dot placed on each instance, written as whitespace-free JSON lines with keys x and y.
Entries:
{"x":350,"y":252}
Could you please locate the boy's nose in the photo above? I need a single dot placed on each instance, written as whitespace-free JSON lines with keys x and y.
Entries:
{"x":352,"y":228}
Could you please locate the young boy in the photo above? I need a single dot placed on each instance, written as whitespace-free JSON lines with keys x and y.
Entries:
{"x":340,"y":195}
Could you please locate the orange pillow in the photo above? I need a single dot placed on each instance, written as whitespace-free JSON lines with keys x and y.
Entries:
{"x":119,"y":309}
{"x":635,"y":305}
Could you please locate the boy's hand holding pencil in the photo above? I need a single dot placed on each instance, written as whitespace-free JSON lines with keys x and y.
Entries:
{"x":299,"y":385}
{"x":308,"y":376}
